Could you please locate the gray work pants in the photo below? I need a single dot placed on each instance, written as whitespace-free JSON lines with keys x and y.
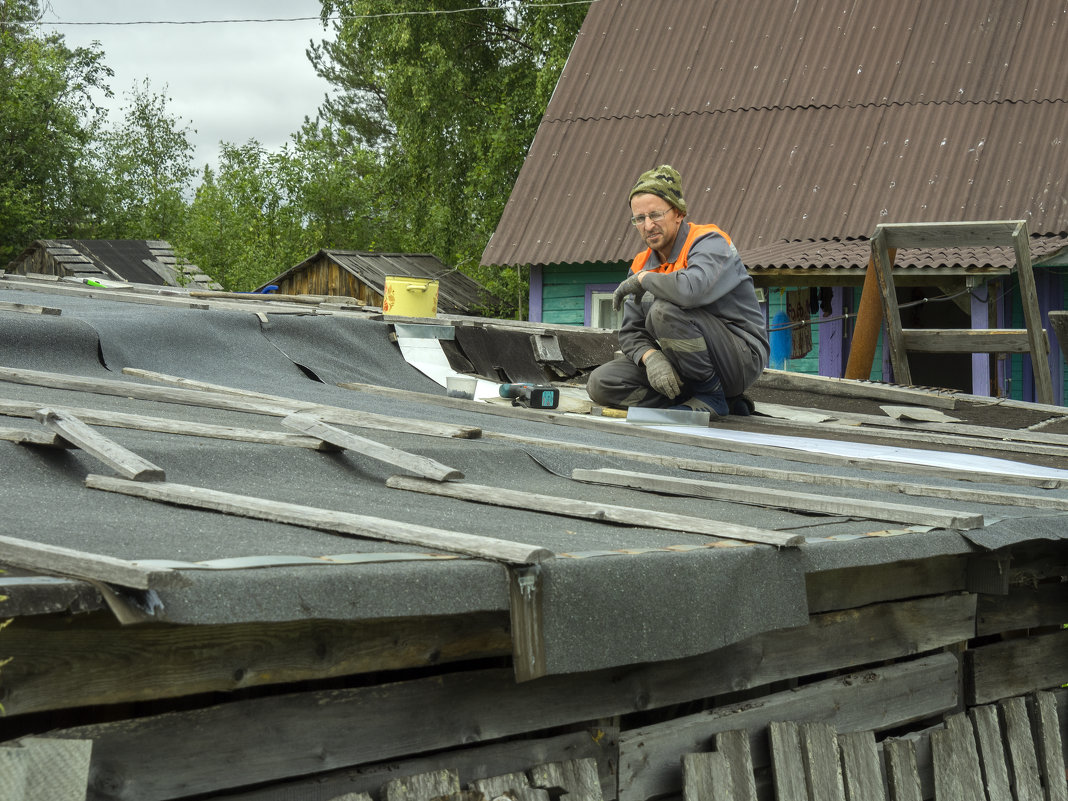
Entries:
{"x":698,"y":344}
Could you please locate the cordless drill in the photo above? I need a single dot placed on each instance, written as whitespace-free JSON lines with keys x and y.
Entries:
{"x":533,"y":396}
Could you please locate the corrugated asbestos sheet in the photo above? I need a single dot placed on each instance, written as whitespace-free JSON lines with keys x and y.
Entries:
{"x":797,"y":121}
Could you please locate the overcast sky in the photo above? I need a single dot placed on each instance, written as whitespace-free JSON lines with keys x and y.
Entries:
{"x":228,"y":81}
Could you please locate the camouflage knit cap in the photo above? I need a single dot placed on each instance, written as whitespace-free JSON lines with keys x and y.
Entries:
{"x":664,"y":182}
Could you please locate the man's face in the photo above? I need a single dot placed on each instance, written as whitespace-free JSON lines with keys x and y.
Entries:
{"x":657,"y":234}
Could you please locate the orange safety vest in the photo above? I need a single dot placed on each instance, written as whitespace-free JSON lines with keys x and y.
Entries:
{"x":696,"y":232}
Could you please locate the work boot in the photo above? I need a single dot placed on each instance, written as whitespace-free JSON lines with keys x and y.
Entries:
{"x":708,"y":396}
{"x":741,"y":405}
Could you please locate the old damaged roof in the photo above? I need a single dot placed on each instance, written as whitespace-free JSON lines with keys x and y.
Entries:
{"x":797,"y":121}
{"x":618,"y":587}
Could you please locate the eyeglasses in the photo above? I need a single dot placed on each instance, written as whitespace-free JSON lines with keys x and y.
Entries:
{"x":654,"y":216}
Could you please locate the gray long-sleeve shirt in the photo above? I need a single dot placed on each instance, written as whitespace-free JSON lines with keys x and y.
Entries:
{"x":714,"y":279}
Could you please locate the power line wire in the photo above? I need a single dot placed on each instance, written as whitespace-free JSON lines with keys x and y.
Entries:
{"x":338,"y":17}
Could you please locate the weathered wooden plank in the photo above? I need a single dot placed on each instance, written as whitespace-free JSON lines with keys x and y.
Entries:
{"x":120,"y":459}
{"x":707,"y":777}
{"x":861,"y":773}
{"x":845,"y":387}
{"x":164,"y":425}
{"x":514,"y":785}
{"x":500,"y":760}
{"x":723,"y":468}
{"x":967,"y":340}
{"x":1025,"y":607}
{"x":61,"y":663}
{"x":1015,"y":666}
{"x":787,"y":760}
{"x":1048,"y":736}
{"x":54,"y":560}
{"x":991,"y":751}
{"x":624,"y":515}
{"x":957,"y":772}
{"x":28,"y":308}
{"x":577,"y":778}
{"x":423,"y":786}
{"x":902,"y":778}
{"x":528,"y":638}
{"x":876,"y":700}
{"x":1021,"y":747}
{"x":949,"y":234}
{"x":852,"y":587}
{"x":44,"y":769}
{"x":413,"y":463}
{"x":734,"y":745}
{"x":778,"y":498}
{"x":35,"y":436}
{"x":823,"y":765}
{"x":279,"y":407}
{"x":111,"y":293}
{"x":326,"y":520}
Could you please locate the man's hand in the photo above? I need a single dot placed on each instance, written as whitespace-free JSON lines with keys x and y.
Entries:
{"x":631,"y":286}
{"x":662,"y":376}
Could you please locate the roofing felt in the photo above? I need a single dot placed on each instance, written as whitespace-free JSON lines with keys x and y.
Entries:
{"x":793,"y":121}
{"x":613,"y":594}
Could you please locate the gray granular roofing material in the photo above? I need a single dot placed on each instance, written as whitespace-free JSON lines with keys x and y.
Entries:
{"x":626,"y":594}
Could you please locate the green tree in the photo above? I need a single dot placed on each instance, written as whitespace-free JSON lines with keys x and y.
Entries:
{"x":49,"y":184}
{"x":147,"y":160}
{"x":448,"y":94}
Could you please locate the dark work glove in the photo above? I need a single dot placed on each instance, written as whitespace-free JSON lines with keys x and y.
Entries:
{"x":631,"y":286}
{"x":662,"y":376}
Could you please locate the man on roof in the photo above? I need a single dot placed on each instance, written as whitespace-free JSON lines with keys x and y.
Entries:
{"x":693,"y":334}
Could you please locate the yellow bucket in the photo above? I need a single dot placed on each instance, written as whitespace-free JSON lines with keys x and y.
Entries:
{"x":410,"y":297}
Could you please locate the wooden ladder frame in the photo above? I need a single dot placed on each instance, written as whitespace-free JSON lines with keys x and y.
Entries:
{"x":1030,"y":340}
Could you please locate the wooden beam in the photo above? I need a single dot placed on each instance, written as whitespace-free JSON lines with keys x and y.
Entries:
{"x":949,"y":234}
{"x":123,"y":461}
{"x":376,"y":528}
{"x":967,"y":340}
{"x":25,"y":308}
{"x":844,"y":387}
{"x":1015,"y":666}
{"x":621,"y":515}
{"x":34,"y":436}
{"x":62,"y":662}
{"x":56,"y":561}
{"x":166,"y":425}
{"x":420,"y":465}
{"x":775,"y":498}
{"x":277,"y":407}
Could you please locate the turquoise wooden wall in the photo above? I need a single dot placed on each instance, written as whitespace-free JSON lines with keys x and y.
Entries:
{"x":563,"y":298}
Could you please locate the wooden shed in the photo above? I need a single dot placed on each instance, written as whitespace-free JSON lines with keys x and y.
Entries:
{"x":362,"y":275}
{"x":143,"y":261}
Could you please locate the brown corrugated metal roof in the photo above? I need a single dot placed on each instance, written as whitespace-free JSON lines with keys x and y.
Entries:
{"x":797,"y":120}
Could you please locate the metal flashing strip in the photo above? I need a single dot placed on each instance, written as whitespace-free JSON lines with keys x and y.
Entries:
{"x":249,"y":562}
{"x":430,"y":331}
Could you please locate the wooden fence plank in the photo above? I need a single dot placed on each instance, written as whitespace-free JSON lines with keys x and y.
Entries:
{"x":787,"y":761}
{"x":413,"y":463}
{"x":860,"y":767}
{"x":423,"y":786}
{"x":956,"y":761}
{"x":1021,"y":747}
{"x":326,"y":520}
{"x":777,"y":498}
{"x":578,"y":779}
{"x":123,"y":461}
{"x":902,"y":777}
{"x":515,"y":785}
{"x":569,"y":507}
{"x":734,"y":745}
{"x":1049,"y":730}
{"x":44,"y":769}
{"x":706,"y":777}
{"x":991,"y":750}
{"x":823,"y":766}
{"x":877,"y":699}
